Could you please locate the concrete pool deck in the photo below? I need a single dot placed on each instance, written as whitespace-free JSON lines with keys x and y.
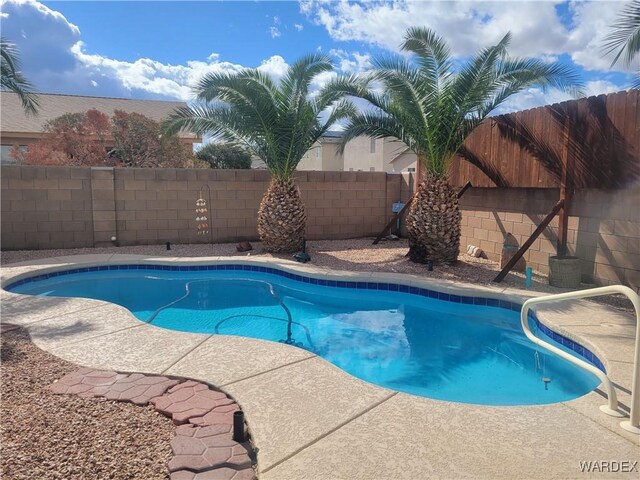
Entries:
{"x":310,"y":419}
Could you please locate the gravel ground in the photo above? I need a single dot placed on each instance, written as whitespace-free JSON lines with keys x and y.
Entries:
{"x":47,"y":436}
{"x":353,"y":254}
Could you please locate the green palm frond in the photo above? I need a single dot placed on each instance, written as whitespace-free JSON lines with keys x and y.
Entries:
{"x":295,"y":84}
{"x":276,"y":122}
{"x":431,"y":107}
{"x":432,"y":53}
{"x":12,"y":79}
{"x":625,"y":37}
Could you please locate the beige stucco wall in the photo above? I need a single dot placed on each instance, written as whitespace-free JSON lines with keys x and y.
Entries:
{"x":403,"y":162}
{"x":332,"y":161}
{"x":312,"y":160}
{"x":323,"y":156}
{"x":359,"y":157}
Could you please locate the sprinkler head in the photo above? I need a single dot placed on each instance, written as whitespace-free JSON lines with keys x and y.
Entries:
{"x":238,"y":427}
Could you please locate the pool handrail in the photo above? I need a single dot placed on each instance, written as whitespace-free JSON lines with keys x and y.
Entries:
{"x":633,"y":424}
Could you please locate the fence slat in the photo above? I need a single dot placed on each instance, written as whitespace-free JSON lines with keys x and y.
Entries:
{"x":524,"y":150}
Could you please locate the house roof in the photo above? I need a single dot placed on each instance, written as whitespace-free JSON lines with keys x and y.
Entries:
{"x":332,"y":136}
{"x":13,"y":118}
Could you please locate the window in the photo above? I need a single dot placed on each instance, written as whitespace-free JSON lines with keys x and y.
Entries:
{"x":372,"y":148}
{"x":411,"y":169}
{"x":317,"y":152}
{"x":372,"y":169}
{"x":5,"y":153}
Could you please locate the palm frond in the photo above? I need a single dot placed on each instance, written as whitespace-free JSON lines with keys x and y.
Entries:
{"x":276,"y":122}
{"x":625,"y":37}
{"x":431,"y":107}
{"x":433,"y":54}
{"x":12,"y":79}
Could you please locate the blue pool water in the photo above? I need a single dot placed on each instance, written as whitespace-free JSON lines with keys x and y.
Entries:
{"x":410,"y":343}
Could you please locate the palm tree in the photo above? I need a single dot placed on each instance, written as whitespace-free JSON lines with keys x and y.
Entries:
{"x":12,"y":79}
{"x":625,"y":38}
{"x":277,"y":122}
{"x":423,"y":101}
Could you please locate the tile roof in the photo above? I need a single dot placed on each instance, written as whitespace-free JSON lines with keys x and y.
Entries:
{"x":13,"y":118}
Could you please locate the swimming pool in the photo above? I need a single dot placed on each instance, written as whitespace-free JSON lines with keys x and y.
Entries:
{"x":410,"y":339}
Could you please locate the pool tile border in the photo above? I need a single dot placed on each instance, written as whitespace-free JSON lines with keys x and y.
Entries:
{"x":577,"y":348}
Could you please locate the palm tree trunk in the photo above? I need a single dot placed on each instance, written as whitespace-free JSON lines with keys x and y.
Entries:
{"x":281,"y":217}
{"x":433,"y":223}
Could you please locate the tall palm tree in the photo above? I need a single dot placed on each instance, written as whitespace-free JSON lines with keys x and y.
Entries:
{"x":432,"y":107}
{"x":625,"y":37}
{"x":12,"y":79}
{"x":277,"y":122}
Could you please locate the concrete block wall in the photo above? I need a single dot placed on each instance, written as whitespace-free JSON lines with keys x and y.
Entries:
{"x":603,"y":228}
{"x":63,"y":207}
{"x":46,"y":207}
{"x":70,"y":207}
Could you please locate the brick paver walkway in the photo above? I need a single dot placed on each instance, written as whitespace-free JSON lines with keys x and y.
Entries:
{"x":203,"y":448}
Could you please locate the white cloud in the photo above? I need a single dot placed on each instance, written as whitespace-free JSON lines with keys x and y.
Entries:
{"x":274,"y":32}
{"x":536,"y":26}
{"x":600,"y":87}
{"x":531,"y":98}
{"x":352,"y":62}
{"x":593,"y":22}
{"x":299,"y":27}
{"x":275,"y":67}
{"x":56,"y":60}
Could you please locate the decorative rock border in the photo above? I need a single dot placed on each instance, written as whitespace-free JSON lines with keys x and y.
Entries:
{"x":203,"y":447}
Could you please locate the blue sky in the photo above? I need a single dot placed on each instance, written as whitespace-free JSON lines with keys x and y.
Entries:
{"x":159,"y":49}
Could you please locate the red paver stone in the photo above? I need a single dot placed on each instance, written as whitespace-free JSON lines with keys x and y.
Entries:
{"x":136,"y":388}
{"x":188,"y":400}
{"x":201,"y":448}
{"x":222,"y":414}
{"x":83,"y":376}
{"x":139,"y":389}
{"x":223,"y":473}
{"x":236,"y":457}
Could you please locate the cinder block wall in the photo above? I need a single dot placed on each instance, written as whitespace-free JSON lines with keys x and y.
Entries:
{"x":65,"y":207}
{"x":46,"y":207}
{"x":603,"y":228}
{"x":69,"y":207}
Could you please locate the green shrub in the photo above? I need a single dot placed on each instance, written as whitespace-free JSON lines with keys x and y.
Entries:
{"x":221,"y":155}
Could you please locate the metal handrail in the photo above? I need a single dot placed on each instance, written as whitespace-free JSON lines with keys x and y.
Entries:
{"x":633,"y":424}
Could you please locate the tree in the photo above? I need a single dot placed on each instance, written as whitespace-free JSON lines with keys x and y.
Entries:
{"x":139,"y":142}
{"x":12,"y":79}
{"x":276,"y":122}
{"x":223,"y":155}
{"x":625,"y":38}
{"x":77,"y":139}
{"x":432,"y":108}
{"x":83,"y":139}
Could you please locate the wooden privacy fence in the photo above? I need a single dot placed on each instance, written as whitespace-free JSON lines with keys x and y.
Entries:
{"x":598,"y":138}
